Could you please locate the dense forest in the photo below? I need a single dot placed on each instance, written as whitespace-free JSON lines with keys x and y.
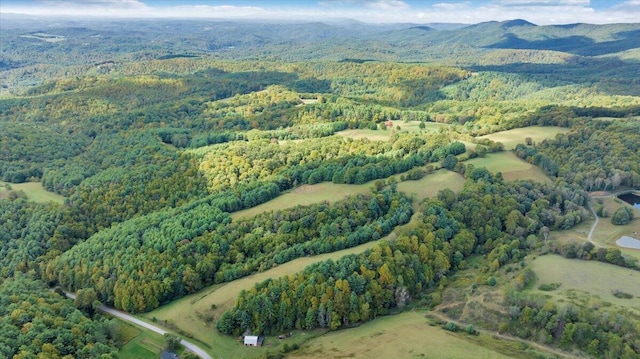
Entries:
{"x":488,"y":217}
{"x":155,"y":144}
{"x":595,"y":155}
{"x":36,"y":322}
{"x":176,"y":252}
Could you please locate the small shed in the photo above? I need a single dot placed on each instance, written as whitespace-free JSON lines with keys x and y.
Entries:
{"x":253,"y":340}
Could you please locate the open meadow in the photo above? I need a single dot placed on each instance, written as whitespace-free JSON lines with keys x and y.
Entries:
{"x":306,"y":195}
{"x":605,"y":234}
{"x":34,"y":191}
{"x":431,"y":184}
{"x":608,"y":233}
{"x":512,"y":167}
{"x":373,"y":339}
{"x":385,"y":135}
{"x":596,"y":279}
{"x":139,"y":343}
{"x":511,"y":138}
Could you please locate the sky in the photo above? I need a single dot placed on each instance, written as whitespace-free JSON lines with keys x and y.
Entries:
{"x":541,"y":12}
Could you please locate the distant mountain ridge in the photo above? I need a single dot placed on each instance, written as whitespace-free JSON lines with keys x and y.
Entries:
{"x":83,"y":42}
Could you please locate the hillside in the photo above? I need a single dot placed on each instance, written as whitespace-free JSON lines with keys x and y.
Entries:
{"x":417,"y":168}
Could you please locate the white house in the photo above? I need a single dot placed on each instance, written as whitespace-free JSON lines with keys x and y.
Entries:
{"x":252,"y":340}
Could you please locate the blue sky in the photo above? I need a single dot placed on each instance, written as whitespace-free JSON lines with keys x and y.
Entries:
{"x":376,"y":11}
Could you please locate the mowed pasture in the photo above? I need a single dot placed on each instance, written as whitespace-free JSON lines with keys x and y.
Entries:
{"x":606,"y":234}
{"x":597,"y":279}
{"x":306,"y":195}
{"x":34,"y":191}
{"x":512,"y":167}
{"x":385,"y":135}
{"x":511,"y":138}
{"x":196,"y":314}
{"x":405,"y":335}
{"x":431,"y":184}
{"x":139,"y":343}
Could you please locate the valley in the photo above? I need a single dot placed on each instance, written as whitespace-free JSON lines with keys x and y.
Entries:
{"x":340,"y":189}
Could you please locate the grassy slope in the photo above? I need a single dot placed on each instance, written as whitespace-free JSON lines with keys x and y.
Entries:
{"x":373,"y":339}
{"x":34,"y":191}
{"x":139,"y":343}
{"x":593,"y":278}
{"x":605,"y":233}
{"x":515,"y":136}
{"x":306,"y":195}
{"x":512,"y":167}
{"x":384,"y":135}
{"x":429,"y":185}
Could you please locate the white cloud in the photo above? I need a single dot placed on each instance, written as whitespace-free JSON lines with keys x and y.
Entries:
{"x":447,"y":6}
{"x":628,"y":4}
{"x":375,"y":11}
{"x":388,"y":5}
{"x":542,"y":2}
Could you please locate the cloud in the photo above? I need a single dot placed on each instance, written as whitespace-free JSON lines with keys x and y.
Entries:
{"x":541,"y":12}
{"x":628,"y":4}
{"x":388,"y":5}
{"x":446,"y":6}
{"x":542,"y":2}
{"x":116,"y":8}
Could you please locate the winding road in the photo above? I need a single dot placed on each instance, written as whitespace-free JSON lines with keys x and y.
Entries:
{"x":126,"y":317}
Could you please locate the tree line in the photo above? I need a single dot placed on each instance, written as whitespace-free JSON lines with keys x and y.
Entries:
{"x":488,"y":217}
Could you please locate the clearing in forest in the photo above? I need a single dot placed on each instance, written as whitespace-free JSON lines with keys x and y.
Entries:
{"x":139,"y":343}
{"x":512,"y":167}
{"x":605,"y":234}
{"x":580,"y":277}
{"x":34,"y":191}
{"x":372,"y":339}
{"x":511,"y":138}
{"x":306,"y":195}
{"x":431,"y":184}
{"x":385,"y":135}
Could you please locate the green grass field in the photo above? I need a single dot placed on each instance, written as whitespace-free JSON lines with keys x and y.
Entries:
{"x":512,"y":167}
{"x":142,"y":344}
{"x":431,"y":184}
{"x":306,"y":195}
{"x":406,"y":335}
{"x":515,"y":136}
{"x":384,"y":135}
{"x":196,"y":314}
{"x":596,"y":279}
{"x":34,"y":191}
{"x":605,"y":234}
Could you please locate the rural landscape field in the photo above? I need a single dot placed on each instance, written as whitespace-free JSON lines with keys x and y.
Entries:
{"x":319,"y":179}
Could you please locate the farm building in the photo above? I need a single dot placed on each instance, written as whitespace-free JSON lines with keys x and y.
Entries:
{"x":253,"y":340}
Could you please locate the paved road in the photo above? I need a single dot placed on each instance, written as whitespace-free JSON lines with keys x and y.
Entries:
{"x":126,"y":317}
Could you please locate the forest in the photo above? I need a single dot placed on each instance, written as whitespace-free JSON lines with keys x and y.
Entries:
{"x":156,"y":147}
